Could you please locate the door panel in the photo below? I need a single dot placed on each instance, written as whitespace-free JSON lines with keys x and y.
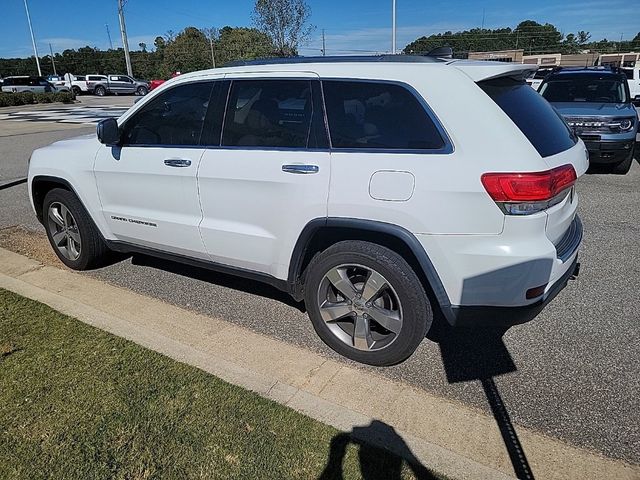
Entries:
{"x":150,"y":203}
{"x":270,"y":177}
{"x":148,"y":187}
{"x":253,"y":211}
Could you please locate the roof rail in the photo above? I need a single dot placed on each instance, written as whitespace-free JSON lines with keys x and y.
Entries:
{"x":437,"y":55}
{"x":611,"y":68}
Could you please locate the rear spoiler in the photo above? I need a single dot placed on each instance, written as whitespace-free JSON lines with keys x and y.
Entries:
{"x":479,"y":70}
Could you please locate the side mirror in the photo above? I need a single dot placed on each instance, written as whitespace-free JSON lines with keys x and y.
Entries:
{"x":108,"y":131}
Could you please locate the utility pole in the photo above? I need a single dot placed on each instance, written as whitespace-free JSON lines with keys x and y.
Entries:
{"x":53,"y":62}
{"x":125,"y":42}
{"x":324,"y":50}
{"x":33,"y":39}
{"x":393,"y":28}
{"x":109,"y":36}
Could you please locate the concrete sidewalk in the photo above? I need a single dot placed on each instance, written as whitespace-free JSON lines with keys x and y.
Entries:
{"x":446,"y":437}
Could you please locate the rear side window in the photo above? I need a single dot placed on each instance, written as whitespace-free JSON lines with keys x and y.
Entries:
{"x":377,"y":115}
{"x":175,"y":117}
{"x":533,"y":115}
{"x":270,"y":113}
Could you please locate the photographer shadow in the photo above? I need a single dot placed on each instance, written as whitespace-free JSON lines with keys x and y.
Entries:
{"x":375,"y":463}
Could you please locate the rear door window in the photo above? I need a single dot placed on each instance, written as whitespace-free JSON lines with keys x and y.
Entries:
{"x":378,"y":115}
{"x":533,"y":115}
{"x":270,"y":113}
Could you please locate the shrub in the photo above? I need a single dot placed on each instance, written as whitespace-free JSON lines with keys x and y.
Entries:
{"x":27,"y":98}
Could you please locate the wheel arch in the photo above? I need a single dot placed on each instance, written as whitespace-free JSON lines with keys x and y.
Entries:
{"x":43,"y":184}
{"x":321,"y":233}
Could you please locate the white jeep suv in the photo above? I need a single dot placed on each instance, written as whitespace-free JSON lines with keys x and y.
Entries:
{"x":381,"y":191}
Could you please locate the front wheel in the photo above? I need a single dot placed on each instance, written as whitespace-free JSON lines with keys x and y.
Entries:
{"x":623,"y":167}
{"x":71,"y":232}
{"x":142,"y":91}
{"x":367,"y":303}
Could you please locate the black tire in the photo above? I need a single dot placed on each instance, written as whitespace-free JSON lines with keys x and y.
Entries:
{"x":623,"y":167}
{"x":77,"y":91}
{"x":415,"y":310}
{"x":100,"y":91}
{"x":142,"y":91}
{"x":93,"y":251}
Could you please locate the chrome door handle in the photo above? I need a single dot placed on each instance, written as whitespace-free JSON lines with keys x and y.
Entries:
{"x":301,"y":169}
{"x":177,"y":162}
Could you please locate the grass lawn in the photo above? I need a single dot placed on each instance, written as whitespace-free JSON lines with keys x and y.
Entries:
{"x":79,"y":403}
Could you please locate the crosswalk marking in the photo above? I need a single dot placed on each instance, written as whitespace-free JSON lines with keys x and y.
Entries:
{"x":89,"y":115}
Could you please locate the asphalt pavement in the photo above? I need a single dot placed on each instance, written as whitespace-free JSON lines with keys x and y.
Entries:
{"x":572,"y":373}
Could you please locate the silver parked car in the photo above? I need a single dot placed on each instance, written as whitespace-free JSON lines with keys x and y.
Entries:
{"x":29,"y":84}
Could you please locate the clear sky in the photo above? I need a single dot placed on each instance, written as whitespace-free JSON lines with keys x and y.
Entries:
{"x":351,"y":26}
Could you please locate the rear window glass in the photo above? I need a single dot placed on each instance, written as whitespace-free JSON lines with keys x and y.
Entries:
{"x":366,"y":115}
{"x":533,"y":115}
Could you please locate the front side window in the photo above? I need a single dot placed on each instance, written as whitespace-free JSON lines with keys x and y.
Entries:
{"x":585,"y":88}
{"x":269,"y":113}
{"x":175,"y":117}
{"x":377,"y":115}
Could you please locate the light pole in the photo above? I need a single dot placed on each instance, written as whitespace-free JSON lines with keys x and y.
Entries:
{"x":33,"y":39}
{"x":125,"y":42}
{"x":53,"y":62}
{"x":393,"y":28}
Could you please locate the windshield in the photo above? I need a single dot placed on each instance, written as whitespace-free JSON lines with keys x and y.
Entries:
{"x":585,"y":88}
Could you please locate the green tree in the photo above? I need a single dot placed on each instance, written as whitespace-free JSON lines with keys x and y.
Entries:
{"x":242,"y":44}
{"x":286,"y":22}
{"x":189,"y":51}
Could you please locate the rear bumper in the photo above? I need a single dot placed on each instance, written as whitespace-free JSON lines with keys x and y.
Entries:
{"x":605,"y":152}
{"x":472,"y":316}
{"x":487,"y":277}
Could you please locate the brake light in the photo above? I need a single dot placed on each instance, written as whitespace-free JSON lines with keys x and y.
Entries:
{"x":526,"y":193}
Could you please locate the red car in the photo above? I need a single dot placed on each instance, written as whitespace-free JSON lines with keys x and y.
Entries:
{"x":156,"y":83}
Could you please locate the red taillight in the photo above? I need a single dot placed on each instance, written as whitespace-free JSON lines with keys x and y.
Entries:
{"x":529,"y":187}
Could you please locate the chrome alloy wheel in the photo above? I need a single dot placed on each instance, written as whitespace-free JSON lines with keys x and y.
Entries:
{"x":64,"y":231}
{"x":360,"y":307}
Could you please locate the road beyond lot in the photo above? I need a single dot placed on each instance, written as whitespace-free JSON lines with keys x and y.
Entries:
{"x":572,"y":373}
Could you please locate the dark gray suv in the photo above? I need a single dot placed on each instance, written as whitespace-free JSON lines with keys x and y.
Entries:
{"x":595,"y":102}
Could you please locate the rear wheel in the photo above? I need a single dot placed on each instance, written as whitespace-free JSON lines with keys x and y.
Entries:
{"x":366,"y":303}
{"x":71,"y":232}
{"x":100,"y":91}
{"x":77,"y":91}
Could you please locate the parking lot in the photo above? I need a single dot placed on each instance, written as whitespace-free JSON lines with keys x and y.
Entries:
{"x":573,"y":373}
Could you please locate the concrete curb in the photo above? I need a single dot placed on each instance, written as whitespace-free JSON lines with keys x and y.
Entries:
{"x":446,"y":437}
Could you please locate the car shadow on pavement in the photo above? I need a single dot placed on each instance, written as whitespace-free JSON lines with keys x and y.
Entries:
{"x":221,"y":279}
{"x":375,"y":463}
{"x":480,"y":354}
